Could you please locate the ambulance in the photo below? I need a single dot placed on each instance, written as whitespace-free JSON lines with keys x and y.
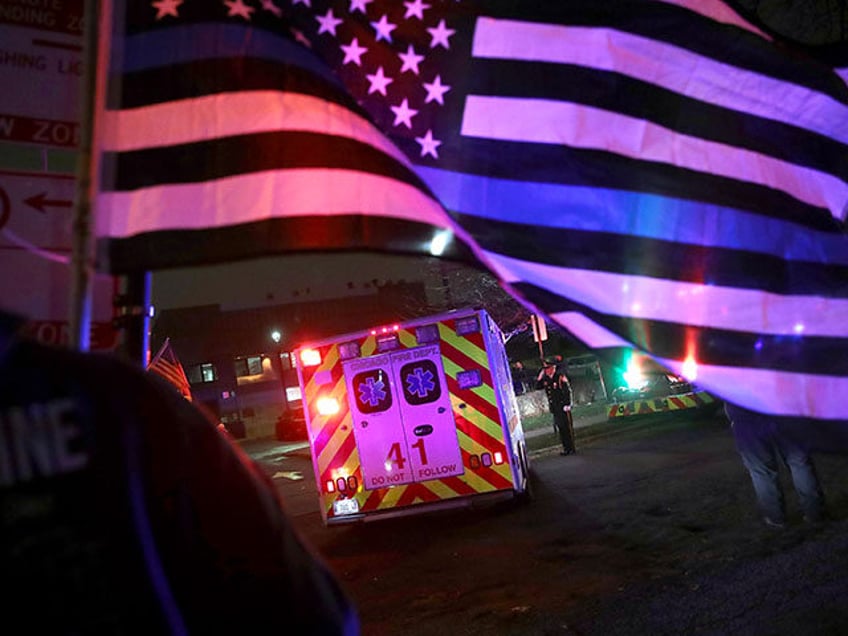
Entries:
{"x":412,"y":417}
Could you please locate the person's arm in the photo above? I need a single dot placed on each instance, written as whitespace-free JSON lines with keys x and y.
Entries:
{"x":540,"y":379}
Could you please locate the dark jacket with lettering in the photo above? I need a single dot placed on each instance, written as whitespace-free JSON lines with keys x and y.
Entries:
{"x":124,"y":510}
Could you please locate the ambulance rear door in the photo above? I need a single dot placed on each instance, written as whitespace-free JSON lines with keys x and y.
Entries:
{"x":426,"y":413}
{"x":377,"y":426}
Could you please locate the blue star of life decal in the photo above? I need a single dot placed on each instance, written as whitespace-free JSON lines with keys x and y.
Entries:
{"x":372,"y":392}
{"x":420,"y":382}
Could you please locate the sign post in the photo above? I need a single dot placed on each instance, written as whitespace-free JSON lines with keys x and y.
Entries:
{"x":540,"y":332}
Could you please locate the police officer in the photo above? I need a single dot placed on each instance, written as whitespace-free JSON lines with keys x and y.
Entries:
{"x":558,"y":390}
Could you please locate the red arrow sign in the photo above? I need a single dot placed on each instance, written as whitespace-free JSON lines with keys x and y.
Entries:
{"x":40,"y":201}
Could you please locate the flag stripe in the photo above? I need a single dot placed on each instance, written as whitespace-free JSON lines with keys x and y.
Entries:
{"x":769,"y":391}
{"x":540,"y":121}
{"x":217,"y":76}
{"x":822,"y":355}
{"x":167,"y":365}
{"x":613,"y":91}
{"x":719,"y":12}
{"x":644,"y":298}
{"x":676,"y":262}
{"x":652,"y":32}
{"x":182,"y":248}
{"x":243,"y":113}
{"x":255,"y":153}
{"x":626,"y":213}
{"x":186,"y":43}
{"x":548,"y":163}
{"x":244,"y":198}
{"x":665,"y":65}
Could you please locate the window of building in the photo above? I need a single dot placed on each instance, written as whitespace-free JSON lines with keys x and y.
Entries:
{"x":202,"y":373}
{"x":248,"y":365}
{"x":256,"y":368}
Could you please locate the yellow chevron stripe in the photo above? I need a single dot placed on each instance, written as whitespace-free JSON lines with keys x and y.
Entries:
{"x":477,"y":418}
{"x":440,"y":489}
{"x":368,"y":346}
{"x":391,"y":498}
{"x":463,"y":344}
{"x":407,"y":339}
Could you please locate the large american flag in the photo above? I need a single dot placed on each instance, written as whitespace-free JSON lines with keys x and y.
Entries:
{"x":653,"y":174}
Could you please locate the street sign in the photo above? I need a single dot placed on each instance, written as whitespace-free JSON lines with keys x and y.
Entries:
{"x":41,"y":69}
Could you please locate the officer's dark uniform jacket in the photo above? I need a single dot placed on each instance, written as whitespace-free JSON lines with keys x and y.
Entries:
{"x":124,"y":511}
{"x":557,"y":389}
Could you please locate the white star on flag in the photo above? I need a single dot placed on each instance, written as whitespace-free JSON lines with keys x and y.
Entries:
{"x":415,"y":9}
{"x":436,"y":90}
{"x":239,"y":8}
{"x":353,"y":52}
{"x":378,"y":82}
{"x":328,"y":23}
{"x":167,"y":7}
{"x":410,"y":59}
{"x":359,"y":5}
{"x":384,"y":29}
{"x":428,"y":144}
{"x":404,"y":114}
{"x":268,"y":5}
{"x":440,"y":35}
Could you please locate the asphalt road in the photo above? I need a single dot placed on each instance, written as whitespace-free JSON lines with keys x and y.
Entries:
{"x":650,"y":529}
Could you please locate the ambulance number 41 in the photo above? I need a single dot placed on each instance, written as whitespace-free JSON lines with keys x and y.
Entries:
{"x":396,"y":455}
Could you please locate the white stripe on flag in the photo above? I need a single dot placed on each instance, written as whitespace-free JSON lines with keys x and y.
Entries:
{"x":230,"y":114}
{"x":709,"y":306}
{"x":777,"y":392}
{"x":765,"y":390}
{"x":552,"y":122}
{"x":260,"y":196}
{"x":663,"y":65}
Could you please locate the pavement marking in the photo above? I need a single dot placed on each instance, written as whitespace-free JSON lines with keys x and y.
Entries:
{"x":294,"y":475}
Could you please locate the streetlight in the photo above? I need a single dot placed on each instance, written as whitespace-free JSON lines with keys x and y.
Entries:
{"x":277,"y":337}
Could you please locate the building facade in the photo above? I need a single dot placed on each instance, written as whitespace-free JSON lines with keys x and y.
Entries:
{"x":244,"y":376}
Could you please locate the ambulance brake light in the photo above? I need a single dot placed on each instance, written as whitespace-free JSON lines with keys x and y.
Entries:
{"x":327,"y":406}
{"x":310,"y":357}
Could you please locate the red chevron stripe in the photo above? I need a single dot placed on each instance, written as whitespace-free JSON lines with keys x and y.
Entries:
{"x":340,"y":458}
{"x":491,"y":444}
{"x":374,"y":499}
{"x":464,"y":362}
{"x":458,"y":485}
{"x":414,"y":491}
{"x":678,"y":402}
{"x":474,"y":401}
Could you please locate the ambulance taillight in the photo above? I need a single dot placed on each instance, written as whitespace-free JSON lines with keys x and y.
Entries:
{"x":310,"y":357}
{"x":327,"y":405}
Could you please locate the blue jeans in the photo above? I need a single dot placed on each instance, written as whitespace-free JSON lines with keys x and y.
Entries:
{"x":762,"y":447}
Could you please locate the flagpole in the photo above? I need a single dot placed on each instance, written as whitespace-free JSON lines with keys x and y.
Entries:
{"x":82,"y":257}
{"x":137,"y":323}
